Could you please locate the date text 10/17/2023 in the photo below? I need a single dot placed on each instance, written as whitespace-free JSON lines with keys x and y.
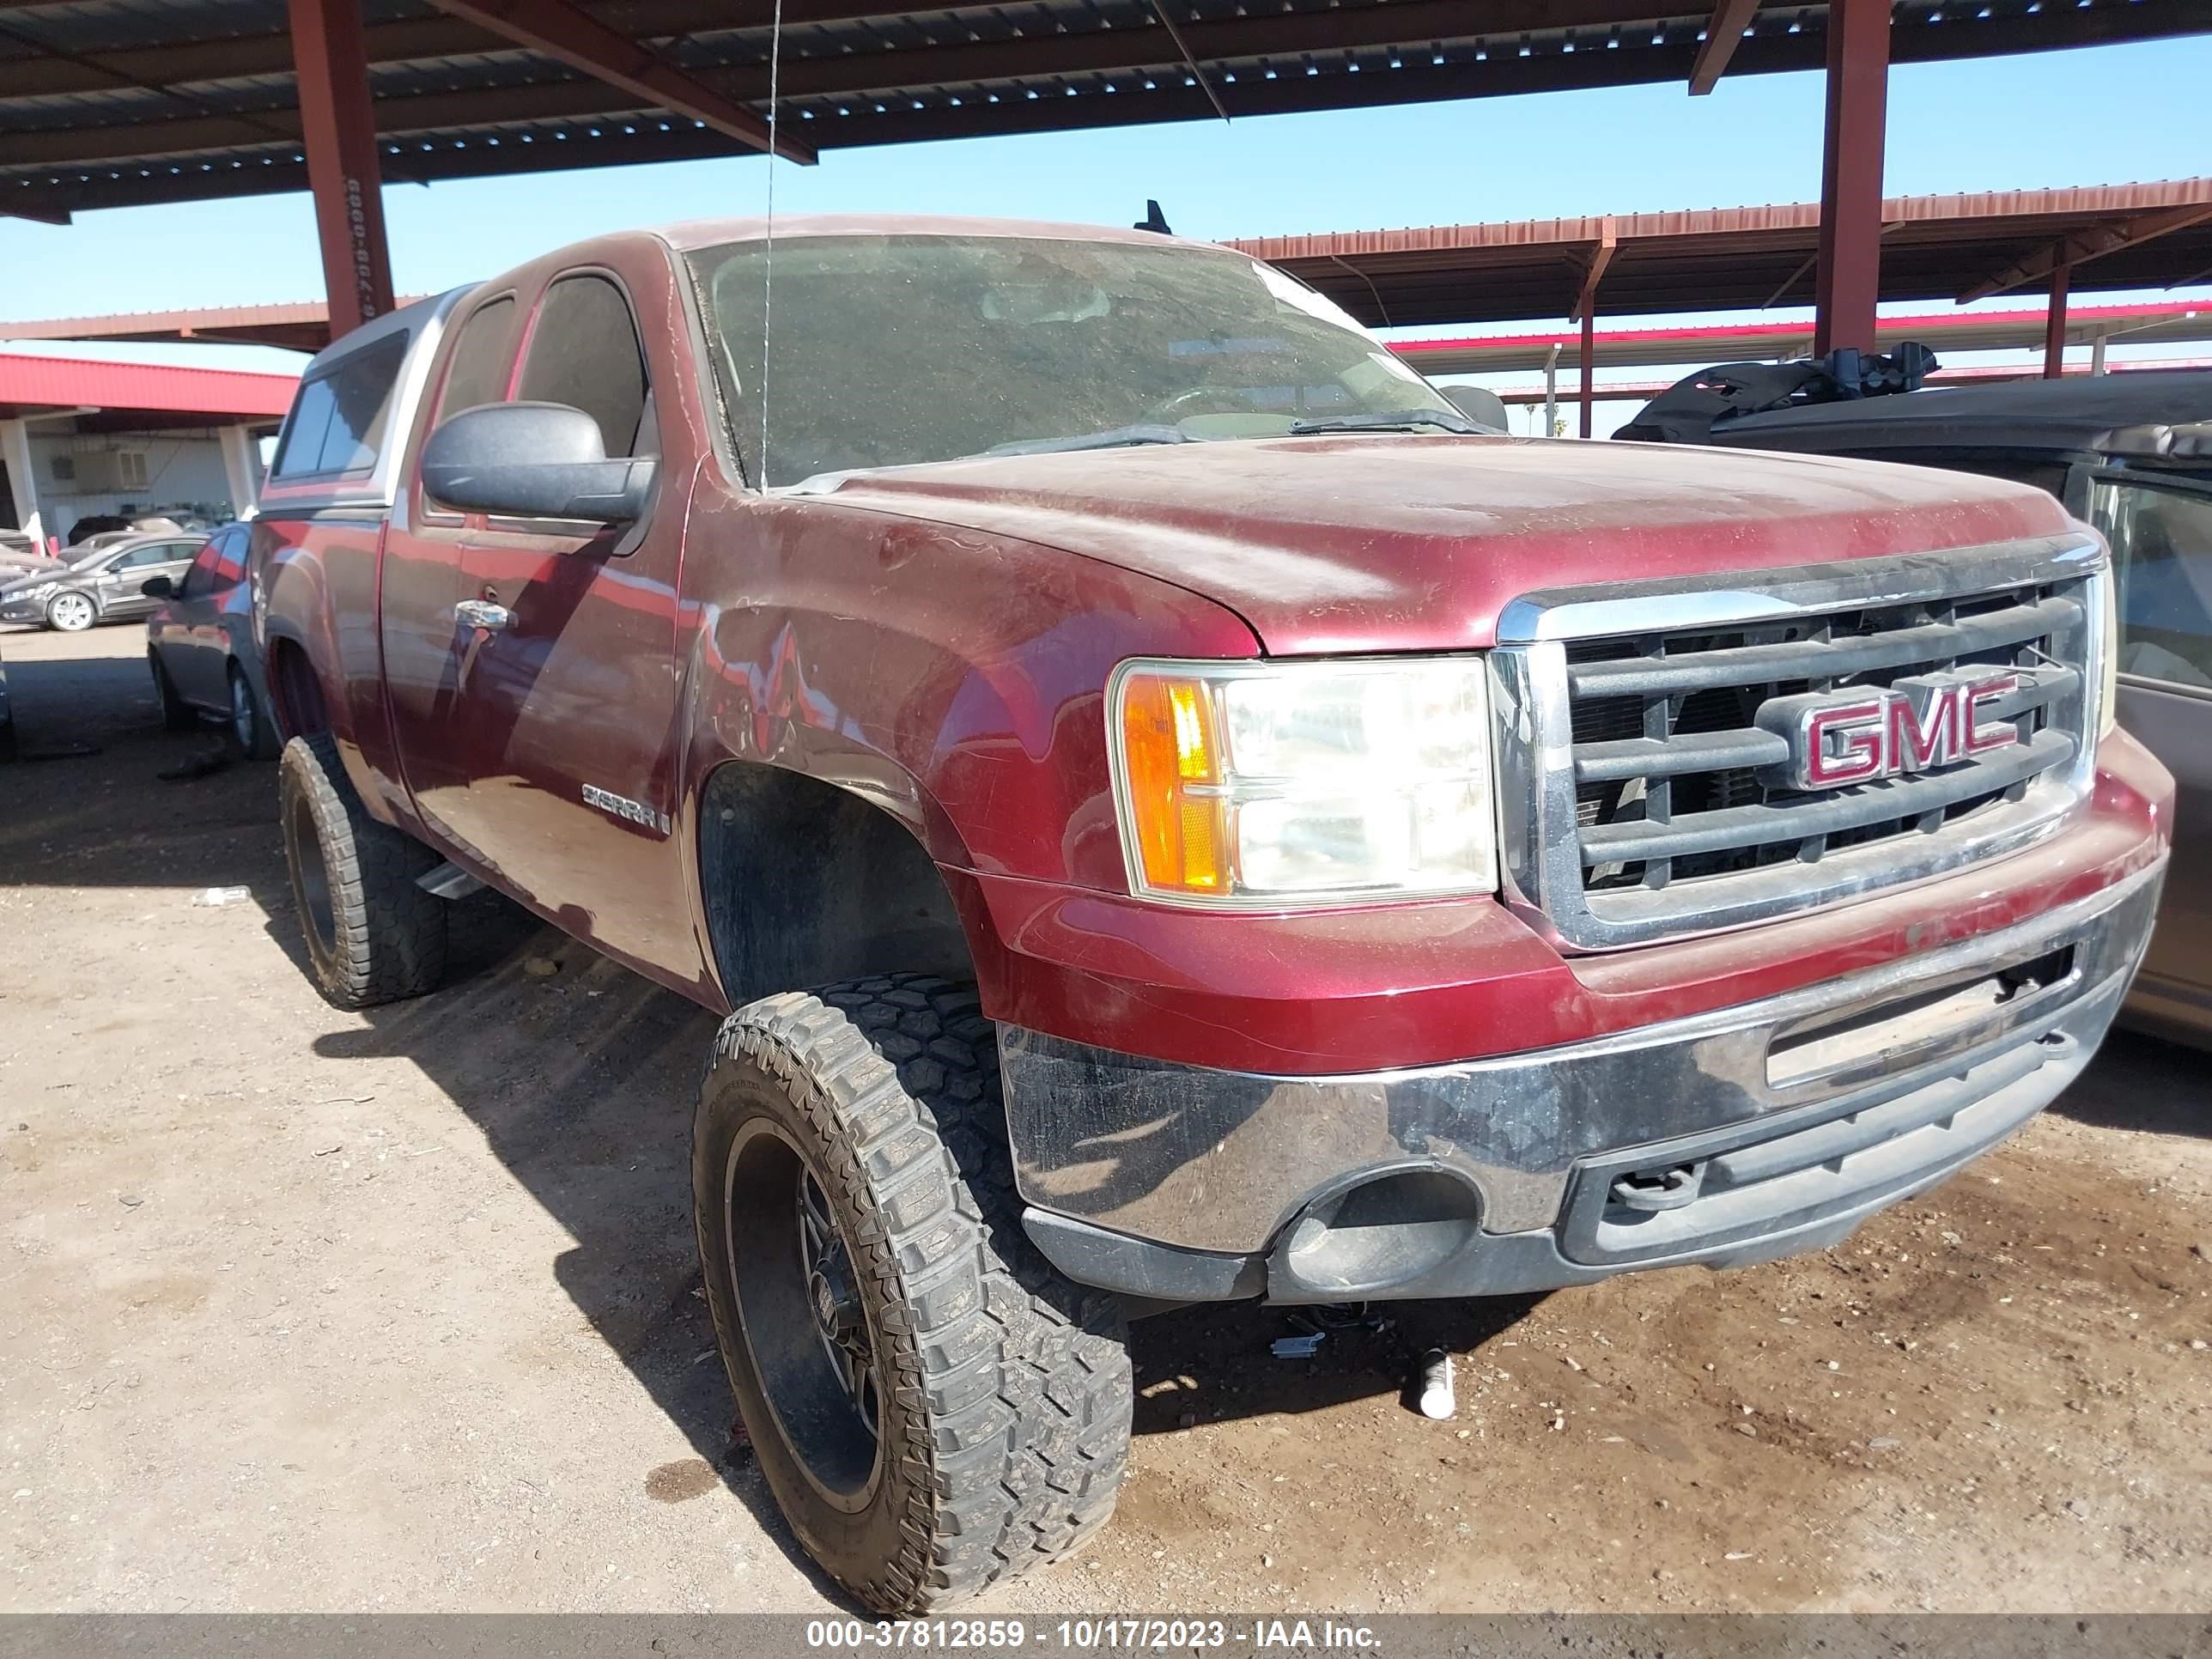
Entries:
{"x":1086,"y":1635}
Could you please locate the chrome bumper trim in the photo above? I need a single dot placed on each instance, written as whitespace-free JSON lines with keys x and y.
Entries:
{"x":1221,"y":1161}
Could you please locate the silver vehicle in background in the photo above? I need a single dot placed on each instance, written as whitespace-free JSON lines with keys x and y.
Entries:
{"x":103,"y":585}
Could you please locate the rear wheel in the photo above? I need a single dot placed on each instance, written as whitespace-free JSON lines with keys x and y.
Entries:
{"x":372,"y":935}
{"x":71,"y":613}
{"x":934,"y":1406}
{"x":251,"y":728}
{"x":177,"y":714}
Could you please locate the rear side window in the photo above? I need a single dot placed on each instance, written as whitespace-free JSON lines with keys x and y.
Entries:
{"x":478,"y":374}
{"x":339,"y":416}
{"x":202,"y":577}
{"x":153,"y":553}
{"x":584,"y":352}
{"x":230,"y":556}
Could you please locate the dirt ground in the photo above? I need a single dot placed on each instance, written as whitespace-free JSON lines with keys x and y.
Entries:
{"x":307,"y":1310}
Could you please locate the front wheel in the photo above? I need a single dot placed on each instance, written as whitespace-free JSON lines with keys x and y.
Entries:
{"x":71,"y":613}
{"x":934,"y":1406}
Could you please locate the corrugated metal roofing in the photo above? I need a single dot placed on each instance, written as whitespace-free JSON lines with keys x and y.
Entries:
{"x":2161,"y":322}
{"x":107,"y":102}
{"x":35,"y":383}
{"x":1933,"y":247}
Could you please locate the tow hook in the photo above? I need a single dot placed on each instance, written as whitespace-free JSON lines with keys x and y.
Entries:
{"x":1652,"y":1190}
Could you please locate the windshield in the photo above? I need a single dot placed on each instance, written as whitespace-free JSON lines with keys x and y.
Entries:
{"x":888,"y":350}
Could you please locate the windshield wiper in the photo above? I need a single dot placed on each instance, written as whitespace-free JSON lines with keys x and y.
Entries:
{"x":1445,"y":420}
{"x":1117,"y":437}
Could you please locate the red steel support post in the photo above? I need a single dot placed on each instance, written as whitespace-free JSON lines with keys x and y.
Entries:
{"x":339,"y":128}
{"x":1589,"y":365}
{"x":2054,"y":325}
{"x":1850,"y":174}
{"x":1585,"y":312}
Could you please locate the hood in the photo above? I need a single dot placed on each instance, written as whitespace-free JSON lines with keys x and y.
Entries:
{"x":1416,"y":543}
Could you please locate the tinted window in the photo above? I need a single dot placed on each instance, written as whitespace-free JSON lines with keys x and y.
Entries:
{"x":339,"y":416}
{"x":202,"y":577}
{"x":153,"y":553}
{"x":584,"y":352}
{"x":2162,"y":551}
{"x":478,"y":371}
{"x":232,"y":545}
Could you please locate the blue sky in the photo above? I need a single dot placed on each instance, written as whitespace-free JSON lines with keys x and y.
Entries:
{"x":2100,"y":116}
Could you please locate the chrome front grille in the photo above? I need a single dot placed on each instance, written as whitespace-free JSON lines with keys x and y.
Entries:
{"x":1642,"y":797}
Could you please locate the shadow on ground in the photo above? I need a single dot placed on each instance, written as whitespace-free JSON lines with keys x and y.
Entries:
{"x":2142,"y":1081}
{"x":581,"y":1076}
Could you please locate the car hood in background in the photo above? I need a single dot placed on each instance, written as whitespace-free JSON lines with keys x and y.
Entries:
{"x":1416,"y":544}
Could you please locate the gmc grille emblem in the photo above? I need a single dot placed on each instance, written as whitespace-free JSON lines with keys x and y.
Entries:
{"x":1838,"y":738}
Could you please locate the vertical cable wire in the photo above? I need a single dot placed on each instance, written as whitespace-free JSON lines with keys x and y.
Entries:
{"x":768,"y":261}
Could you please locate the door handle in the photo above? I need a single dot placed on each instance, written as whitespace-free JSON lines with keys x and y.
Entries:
{"x":482,"y":613}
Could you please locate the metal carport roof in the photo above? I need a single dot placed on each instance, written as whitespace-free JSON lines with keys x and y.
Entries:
{"x":1933,"y":247}
{"x":105,"y":103}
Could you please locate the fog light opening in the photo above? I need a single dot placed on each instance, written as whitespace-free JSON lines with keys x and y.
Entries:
{"x":1384,"y":1232}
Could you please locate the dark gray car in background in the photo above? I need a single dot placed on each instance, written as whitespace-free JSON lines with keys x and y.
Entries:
{"x":104,"y":585}
{"x":199,"y":644}
{"x":2130,"y":453}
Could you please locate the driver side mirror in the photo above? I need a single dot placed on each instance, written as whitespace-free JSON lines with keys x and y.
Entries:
{"x":158,"y":588}
{"x":533,"y":461}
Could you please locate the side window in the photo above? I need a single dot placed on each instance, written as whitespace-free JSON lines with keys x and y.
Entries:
{"x":477,"y":372}
{"x":339,"y":416}
{"x":153,"y":553}
{"x":2161,"y":540}
{"x":230,"y":566}
{"x":203,"y":576}
{"x":584,"y":352}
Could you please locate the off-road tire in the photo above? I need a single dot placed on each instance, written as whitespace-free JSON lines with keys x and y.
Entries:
{"x":1004,"y":1389}
{"x":372,"y":935}
{"x":259,"y":741}
{"x":177,"y":714}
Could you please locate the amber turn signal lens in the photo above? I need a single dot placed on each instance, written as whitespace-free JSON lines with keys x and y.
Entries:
{"x":1168,"y":743}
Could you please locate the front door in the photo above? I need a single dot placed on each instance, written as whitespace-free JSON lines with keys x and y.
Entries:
{"x":562,"y":666}
{"x":425,"y":647}
{"x":179,"y":632}
{"x":120,"y":597}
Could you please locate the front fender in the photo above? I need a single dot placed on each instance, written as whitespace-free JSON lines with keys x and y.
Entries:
{"x":955,"y":680}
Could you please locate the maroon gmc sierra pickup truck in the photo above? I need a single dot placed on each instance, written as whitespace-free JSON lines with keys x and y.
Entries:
{"x":1172,"y":812}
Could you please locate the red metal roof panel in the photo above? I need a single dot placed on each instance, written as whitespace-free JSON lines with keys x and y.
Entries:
{"x":34,"y":382}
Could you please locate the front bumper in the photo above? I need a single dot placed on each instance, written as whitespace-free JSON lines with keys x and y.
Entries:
{"x":25,"y":611}
{"x":1737,"y":1135}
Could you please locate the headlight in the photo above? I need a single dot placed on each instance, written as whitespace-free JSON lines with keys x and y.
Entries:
{"x":1254,"y":785}
{"x":2108,"y":655}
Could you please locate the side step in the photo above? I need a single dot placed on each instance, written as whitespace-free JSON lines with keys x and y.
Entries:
{"x":448,"y":881}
